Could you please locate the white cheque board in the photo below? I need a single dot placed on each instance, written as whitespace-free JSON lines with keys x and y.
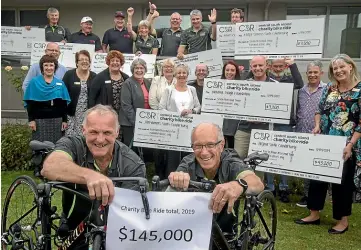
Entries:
{"x":168,"y":130}
{"x":17,"y":41}
{"x":67,"y":52}
{"x":98,"y":63}
{"x":248,"y":100}
{"x":212,"y":58}
{"x":178,"y":221}
{"x":316,"y":157}
{"x":301,"y":39}
{"x":226,"y":39}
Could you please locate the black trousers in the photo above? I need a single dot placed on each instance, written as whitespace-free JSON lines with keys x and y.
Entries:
{"x":173,"y":160}
{"x":127,"y":135}
{"x":341,"y":193}
{"x":229,"y":141}
{"x":160,"y":162}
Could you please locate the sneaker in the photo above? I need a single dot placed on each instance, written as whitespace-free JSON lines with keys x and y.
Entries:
{"x":302,"y":202}
{"x":284,"y":197}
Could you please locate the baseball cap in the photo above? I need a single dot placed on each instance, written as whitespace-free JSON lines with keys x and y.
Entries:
{"x":119,"y":14}
{"x":86,"y":19}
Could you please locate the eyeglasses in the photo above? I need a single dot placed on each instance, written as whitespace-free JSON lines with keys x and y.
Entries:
{"x":208,"y":146}
{"x":53,"y":50}
{"x":83,"y":60}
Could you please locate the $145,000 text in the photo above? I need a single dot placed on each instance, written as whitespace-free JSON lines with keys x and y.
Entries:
{"x":178,"y":235}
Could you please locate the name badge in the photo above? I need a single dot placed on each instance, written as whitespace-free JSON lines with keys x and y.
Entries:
{"x":77,"y":83}
{"x":202,"y":33}
{"x":108,"y":81}
{"x":59,"y":83}
{"x":356,"y":90}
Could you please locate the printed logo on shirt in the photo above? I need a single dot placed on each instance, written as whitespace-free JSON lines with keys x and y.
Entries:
{"x":60,"y":32}
{"x":178,"y":34}
{"x":92,"y":41}
{"x":148,"y":44}
{"x":59,"y":83}
{"x":126,"y":36}
{"x":202,"y":33}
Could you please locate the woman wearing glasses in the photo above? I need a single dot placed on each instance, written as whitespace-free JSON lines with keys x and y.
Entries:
{"x":77,"y":81}
{"x":180,"y":98}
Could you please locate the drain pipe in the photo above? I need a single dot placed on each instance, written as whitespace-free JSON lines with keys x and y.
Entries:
{"x":266,"y":16}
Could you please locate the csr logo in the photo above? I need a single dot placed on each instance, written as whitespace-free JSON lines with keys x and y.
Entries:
{"x":39,"y":45}
{"x":147,"y":114}
{"x":214,"y":85}
{"x":246,"y":27}
{"x":100,"y":57}
{"x":225,"y":29}
{"x":262,"y":136}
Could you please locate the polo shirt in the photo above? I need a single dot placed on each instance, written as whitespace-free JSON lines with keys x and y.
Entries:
{"x":80,"y":37}
{"x":197,"y":41}
{"x":56,"y":33}
{"x":146,"y":46}
{"x":125,"y":163}
{"x":170,"y":41}
{"x":119,"y":40}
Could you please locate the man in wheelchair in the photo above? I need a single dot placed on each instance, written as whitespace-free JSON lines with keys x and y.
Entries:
{"x":212,"y":161}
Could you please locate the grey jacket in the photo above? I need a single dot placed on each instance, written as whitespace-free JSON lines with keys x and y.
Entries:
{"x":131,"y":98}
{"x":167,"y":101}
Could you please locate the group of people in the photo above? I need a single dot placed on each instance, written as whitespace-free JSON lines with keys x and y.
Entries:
{"x":95,"y":110}
{"x":142,"y":38}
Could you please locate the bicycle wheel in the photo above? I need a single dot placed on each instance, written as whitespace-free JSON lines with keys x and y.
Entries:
{"x":19,"y":226}
{"x":263,"y":233}
{"x":97,"y":242}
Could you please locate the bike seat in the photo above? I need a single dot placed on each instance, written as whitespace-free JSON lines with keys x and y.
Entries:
{"x":38,"y":145}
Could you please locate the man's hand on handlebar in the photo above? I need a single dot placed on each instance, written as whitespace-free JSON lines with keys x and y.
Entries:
{"x":179,"y":180}
{"x":100,"y":187}
{"x":223,"y":193}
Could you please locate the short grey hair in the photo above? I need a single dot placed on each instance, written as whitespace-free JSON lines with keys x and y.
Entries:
{"x":195,"y":13}
{"x":52,"y":10}
{"x":219,"y":130}
{"x":181,"y":66}
{"x":316,"y":63}
{"x":195,"y":71}
{"x":144,"y":23}
{"x":137,"y":61}
{"x":101,"y":110}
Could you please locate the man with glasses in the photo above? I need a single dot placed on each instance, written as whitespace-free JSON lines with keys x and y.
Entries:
{"x":212,"y":162}
{"x":52,"y":49}
{"x":201,"y":73}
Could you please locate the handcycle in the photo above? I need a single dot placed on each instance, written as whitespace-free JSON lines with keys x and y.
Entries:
{"x":21,"y":231}
{"x":246,"y":235}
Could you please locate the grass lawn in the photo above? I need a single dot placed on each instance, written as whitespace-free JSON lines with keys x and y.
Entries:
{"x":289,"y":235}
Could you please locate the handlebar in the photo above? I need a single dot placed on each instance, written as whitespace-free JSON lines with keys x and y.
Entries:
{"x":206,"y":185}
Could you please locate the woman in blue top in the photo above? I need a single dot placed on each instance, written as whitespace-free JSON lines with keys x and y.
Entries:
{"x":339,"y":114}
{"x":46,"y":99}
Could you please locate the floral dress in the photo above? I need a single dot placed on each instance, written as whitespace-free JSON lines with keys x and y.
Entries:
{"x":340,"y":114}
{"x":117,"y":87}
{"x":75,"y":122}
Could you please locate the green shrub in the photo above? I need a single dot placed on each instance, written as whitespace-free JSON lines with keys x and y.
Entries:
{"x":15,"y":152}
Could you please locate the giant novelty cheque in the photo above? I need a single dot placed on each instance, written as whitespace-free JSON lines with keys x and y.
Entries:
{"x":212,"y":58}
{"x":226,"y":39}
{"x":317,"y":157}
{"x":248,"y":100}
{"x":17,"y":41}
{"x":98,"y":63}
{"x":300,"y":39}
{"x":67,"y":52}
{"x":168,"y":130}
{"x":178,"y":221}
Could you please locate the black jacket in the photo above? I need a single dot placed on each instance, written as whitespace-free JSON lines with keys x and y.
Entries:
{"x":72,"y":83}
{"x":101,"y":91}
{"x":131,"y":98}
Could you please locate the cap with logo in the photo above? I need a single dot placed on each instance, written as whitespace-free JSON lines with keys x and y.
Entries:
{"x":86,"y":19}
{"x":119,"y":14}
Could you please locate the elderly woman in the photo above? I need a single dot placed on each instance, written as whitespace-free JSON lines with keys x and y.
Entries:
{"x":144,"y":42}
{"x":135,"y":94}
{"x":160,"y":83}
{"x":339,"y":115}
{"x":46,"y":99}
{"x":77,"y":81}
{"x":180,"y":98}
{"x":106,"y":86}
{"x":230,"y":71}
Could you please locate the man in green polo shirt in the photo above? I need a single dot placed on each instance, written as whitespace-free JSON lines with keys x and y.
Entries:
{"x":198,"y":37}
{"x":88,"y":160}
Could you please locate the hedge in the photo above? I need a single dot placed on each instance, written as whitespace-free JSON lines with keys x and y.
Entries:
{"x":15,"y":151}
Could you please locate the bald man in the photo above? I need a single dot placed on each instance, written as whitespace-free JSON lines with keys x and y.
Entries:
{"x":201,"y":72}
{"x":211,"y":161}
{"x":52,"y":49}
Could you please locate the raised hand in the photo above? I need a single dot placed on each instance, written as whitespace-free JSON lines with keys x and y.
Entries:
{"x":213,"y":17}
{"x":130,"y":11}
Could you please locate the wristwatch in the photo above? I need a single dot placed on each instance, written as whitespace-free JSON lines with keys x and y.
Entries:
{"x":244,"y":184}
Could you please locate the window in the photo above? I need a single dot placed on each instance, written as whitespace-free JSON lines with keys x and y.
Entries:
{"x":8,"y":18}
{"x":344,"y":32}
{"x":33,"y":17}
{"x":305,"y":13}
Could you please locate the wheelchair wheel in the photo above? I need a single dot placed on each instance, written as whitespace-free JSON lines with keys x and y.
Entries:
{"x":20,"y":228}
{"x":263,"y":233}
